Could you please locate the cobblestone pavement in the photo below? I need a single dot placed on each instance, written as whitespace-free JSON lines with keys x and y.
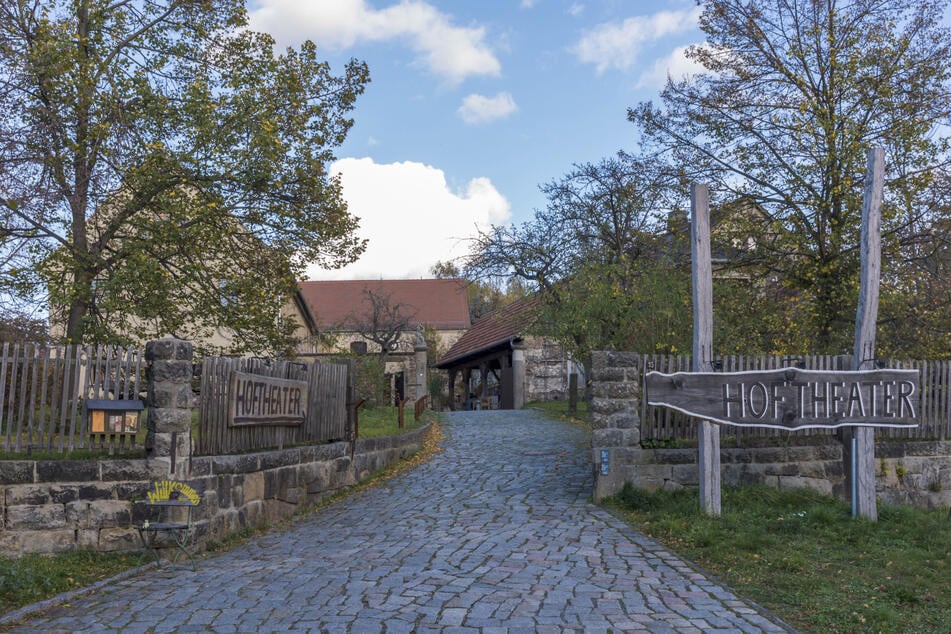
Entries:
{"x":495,"y":534}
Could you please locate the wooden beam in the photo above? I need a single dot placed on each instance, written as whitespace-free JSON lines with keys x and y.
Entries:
{"x":709,"y":434}
{"x":863,"y":438}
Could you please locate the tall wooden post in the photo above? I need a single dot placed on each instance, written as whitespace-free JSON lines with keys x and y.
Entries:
{"x":709,"y":434}
{"x":863,"y":438}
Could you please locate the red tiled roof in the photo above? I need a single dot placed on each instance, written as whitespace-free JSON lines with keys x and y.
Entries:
{"x":496,"y":328}
{"x":441,"y":303}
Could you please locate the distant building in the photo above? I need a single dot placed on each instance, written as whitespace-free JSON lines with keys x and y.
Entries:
{"x":330,"y":312}
{"x":497,"y":365}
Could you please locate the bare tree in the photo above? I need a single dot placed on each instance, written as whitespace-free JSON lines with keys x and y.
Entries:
{"x":381,"y":320}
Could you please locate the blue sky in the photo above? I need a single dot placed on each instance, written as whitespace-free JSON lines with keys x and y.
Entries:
{"x":474,"y":104}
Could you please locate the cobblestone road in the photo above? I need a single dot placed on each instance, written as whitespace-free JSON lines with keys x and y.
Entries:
{"x":495,"y":534}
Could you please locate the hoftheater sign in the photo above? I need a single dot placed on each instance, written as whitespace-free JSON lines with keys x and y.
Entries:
{"x":791,"y":398}
{"x":262,"y":400}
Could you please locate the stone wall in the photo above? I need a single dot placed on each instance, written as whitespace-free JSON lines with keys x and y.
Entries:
{"x":59,"y":505}
{"x":546,"y":376}
{"x":908,"y":472}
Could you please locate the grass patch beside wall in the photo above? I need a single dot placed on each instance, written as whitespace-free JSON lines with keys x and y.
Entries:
{"x":801,"y":555}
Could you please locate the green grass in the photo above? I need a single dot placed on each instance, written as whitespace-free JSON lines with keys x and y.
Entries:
{"x":803,"y":556}
{"x":384,"y":421}
{"x":559,"y":410}
{"x":32,"y":578}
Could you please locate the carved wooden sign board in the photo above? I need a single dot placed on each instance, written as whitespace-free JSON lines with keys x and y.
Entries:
{"x":791,"y":398}
{"x":263,"y":400}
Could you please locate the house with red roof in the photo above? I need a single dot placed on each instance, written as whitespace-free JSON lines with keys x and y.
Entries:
{"x":332,"y":315}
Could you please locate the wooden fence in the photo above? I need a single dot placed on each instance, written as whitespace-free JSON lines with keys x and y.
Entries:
{"x":42,"y":389}
{"x":326,"y":413}
{"x":934,"y":423}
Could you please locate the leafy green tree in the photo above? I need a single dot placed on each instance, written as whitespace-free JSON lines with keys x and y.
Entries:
{"x":794,"y":94}
{"x":482,"y":295}
{"x":598,"y":257}
{"x":165,"y":168}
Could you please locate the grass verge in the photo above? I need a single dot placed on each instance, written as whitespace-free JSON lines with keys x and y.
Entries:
{"x":559,"y":410}
{"x":801,"y":555}
{"x":33,"y":578}
{"x":384,"y":421}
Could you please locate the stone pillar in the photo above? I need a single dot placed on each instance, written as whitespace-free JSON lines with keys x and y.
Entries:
{"x":420,"y":352}
{"x":615,"y":422}
{"x":169,"y":372}
{"x":518,"y":375}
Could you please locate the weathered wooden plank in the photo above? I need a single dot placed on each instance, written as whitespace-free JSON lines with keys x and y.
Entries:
{"x":5,"y":422}
{"x":709,"y":435}
{"x":864,"y":503}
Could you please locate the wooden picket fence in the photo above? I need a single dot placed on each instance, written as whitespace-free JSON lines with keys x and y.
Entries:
{"x":663,"y":424}
{"x":42,"y":389}
{"x":326,"y":418}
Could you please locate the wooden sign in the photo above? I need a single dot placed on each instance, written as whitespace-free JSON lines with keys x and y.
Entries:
{"x":791,"y":398}
{"x":263,"y":400}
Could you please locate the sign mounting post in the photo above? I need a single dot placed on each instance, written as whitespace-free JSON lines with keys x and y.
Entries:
{"x":863,"y":438}
{"x":709,"y":434}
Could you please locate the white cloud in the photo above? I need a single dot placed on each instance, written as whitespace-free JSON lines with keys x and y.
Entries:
{"x":411,"y":217}
{"x":576,"y":9}
{"x":676,"y":65}
{"x":449,"y":51}
{"x":617,"y":45}
{"x":477,"y":109}
{"x":528,"y":4}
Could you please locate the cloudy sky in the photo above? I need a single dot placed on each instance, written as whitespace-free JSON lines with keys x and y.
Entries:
{"x":473,"y":105}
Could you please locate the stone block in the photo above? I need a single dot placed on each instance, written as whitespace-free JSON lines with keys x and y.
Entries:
{"x":608,"y":374}
{"x":110,"y":514}
{"x":130,"y":491}
{"x":252,"y":486}
{"x":170,"y":394}
{"x":224,"y":485}
{"x":27,"y":494}
{"x":767,"y":455}
{"x":67,"y":470}
{"x":16,"y":471}
{"x":113,"y":470}
{"x":169,"y":348}
{"x":168,"y":420}
{"x":87,"y":538}
{"x":890,"y":450}
{"x":655,"y":474}
{"x":11,"y":542}
{"x":119,"y":539}
{"x":249,"y":463}
{"x":77,"y":514}
{"x":162,"y":444}
{"x":201,"y":466}
{"x":318,"y":478}
{"x":48,"y":541}
{"x":236,"y":496}
{"x":741,"y":456}
{"x":96,"y":491}
{"x":36,"y":517}
{"x":174,"y":371}
{"x":781,"y":469}
{"x":685,"y":475}
{"x":606,"y":438}
{"x":675,"y":456}
{"x":797,"y":482}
